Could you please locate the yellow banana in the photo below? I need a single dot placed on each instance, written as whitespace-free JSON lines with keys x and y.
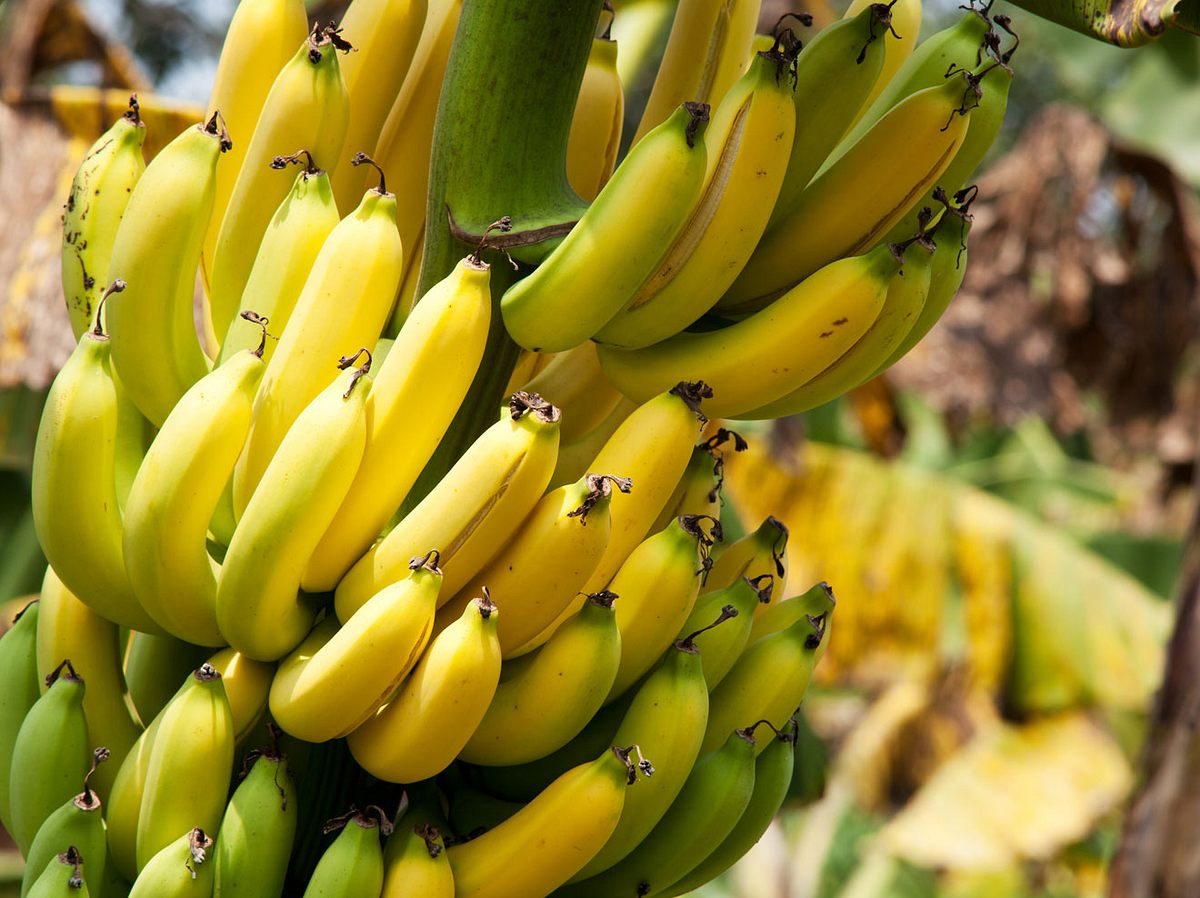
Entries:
{"x":420,"y":731}
{"x":345,"y":302}
{"x":618,"y":242}
{"x":575,"y":458}
{"x":415,"y":395}
{"x":339,"y":676}
{"x":99,"y":194}
{"x":384,"y":34}
{"x":763,"y":551}
{"x":545,"y":699}
{"x":260,"y":609}
{"x":905,"y":26}
{"x":749,"y":141}
{"x":415,"y":864}
{"x":155,"y":349}
{"x":697,"y":493}
{"x":305,"y":107}
{"x":765,"y":356}
{"x":470,"y":513}
{"x":575,"y":384}
{"x":174,"y":495}
{"x":596,"y":127}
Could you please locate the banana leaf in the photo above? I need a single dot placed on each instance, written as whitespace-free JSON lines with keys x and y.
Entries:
{"x":1124,"y":24}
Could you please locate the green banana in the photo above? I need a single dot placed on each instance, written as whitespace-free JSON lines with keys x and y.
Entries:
{"x":181,"y":869}
{"x":77,"y":822}
{"x":62,"y":877}
{"x":763,"y":551}
{"x":721,"y":647}
{"x":352,"y":866}
{"x":19,"y":674}
{"x":699,"y":489}
{"x":781,"y":615}
{"x":154,"y":668}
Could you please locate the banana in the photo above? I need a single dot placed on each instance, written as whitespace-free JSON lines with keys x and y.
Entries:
{"x":699,"y":489}
{"x":154,"y":668}
{"x":415,"y":395}
{"x":420,"y":731}
{"x":470,"y":513}
{"x":78,"y":822}
{"x":551,"y":556}
{"x":62,"y":876}
{"x":575,"y":384}
{"x":852,"y":203}
{"x":618,"y":242}
{"x":901,"y":310}
{"x":713,"y":797}
{"x":658,"y":585}
{"x":156,"y":250}
{"x":384,"y":34}
{"x":305,"y":107}
{"x":345,"y":302}
{"x":289,"y":248}
{"x":546,"y":842}
{"x":770,"y":353}
{"x":707,"y":51}
{"x":546,"y":698}
{"x":190,"y":765}
{"x":772,"y":777}
{"x":261,"y":38}
{"x":19,"y":673}
{"x":182,"y":869}
{"x":905,"y":14}
{"x":340,"y":675}
{"x":575,"y":457}
{"x":415,"y":864}
{"x":174,"y":495}
{"x":257,"y":829}
{"x":67,"y":628}
{"x":769,"y":679}
{"x":721,"y":646}
{"x":99,"y":194}
{"x":260,"y":609}
{"x":748,"y":143}
{"x":595,"y":134}
{"x":763,"y":551}
{"x":352,"y":865}
{"x":783,"y":614}
{"x":74,"y":487}
{"x":50,"y":755}
{"x":471,"y":811}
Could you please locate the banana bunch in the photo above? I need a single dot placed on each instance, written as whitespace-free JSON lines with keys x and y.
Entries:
{"x":546,"y":665}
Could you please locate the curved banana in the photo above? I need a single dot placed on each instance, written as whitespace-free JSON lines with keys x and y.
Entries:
{"x":289,"y":249}
{"x":539,"y":572}
{"x":471,"y":811}
{"x":419,"y":733}
{"x":67,"y":628}
{"x":470,"y":513}
{"x":699,"y":489}
{"x":748,"y":144}
{"x":905,"y":15}
{"x":596,"y":126}
{"x":720,"y":647}
{"x":99,"y":194}
{"x":575,"y":384}
{"x":575,"y":457}
{"x":414,"y":397}
{"x":384,"y":34}
{"x":565,"y":825}
{"x":775,"y":350}
{"x":306,"y":107}
{"x":340,"y":675}
{"x":155,"y":348}
{"x":415,"y":864}
{"x":50,"y":756}
{"x":74,"y":488}
{"x":260,"y":609}
{"x":61,"y":876}
{"x":181,"y":869}
{"x":353,"y":864}
{"x":175,"y":493}
{"x":154,"y":668}
{"x":345,"y":303}
{"x":617,"y":244}
{"x":19,"y":673}
{"x":77,"y":822}
{"x":545,"y":699}
{"x":190,"y":763}
{"x":763,"y":551}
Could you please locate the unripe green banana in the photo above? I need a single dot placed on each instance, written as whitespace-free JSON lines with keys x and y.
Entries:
{"x":181,"y":869}
{"x":77,"y":822}
{"x":99,"y":195}
{"x":763,"y":551}
{"x":19,"y":674}
{"x":50,"y":756}
{"x":257,"y":829}
{"x":699,"y":488}
{"x":720,"y":647}
{"x":814,"y":601}
{"x":190,"y":765}
{"x":154,"y":668}
{"x":415,"y":864}
{"x":62,"y":877}
{"x":352,"y":867}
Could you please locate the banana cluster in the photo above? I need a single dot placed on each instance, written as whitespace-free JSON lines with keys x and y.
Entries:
{"x":548,"y":664}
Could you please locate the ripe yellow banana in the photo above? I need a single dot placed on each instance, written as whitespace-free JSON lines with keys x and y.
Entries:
{"x":155,"y":349}
{"x":596,"y":128}
{"x":763,"y":357}
{"x":99,"y":194}
{"x":174,"y":495}
{"x":749,"y":141}
{"x":260,"y":609}
{"x":339,"y":676}
{"x":344,"y":303}
{"x":384,"y":34}
{"x":618,"y":242}
{"x":306,"y":107}
{"x":575,"y":457}
{"x":471,"y":512}
{"x":575,"y":384}
{"x":415,"y":864}
{"x":415,"y":395}
{"x":419,"y":733}
{"x":763,"y":551}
